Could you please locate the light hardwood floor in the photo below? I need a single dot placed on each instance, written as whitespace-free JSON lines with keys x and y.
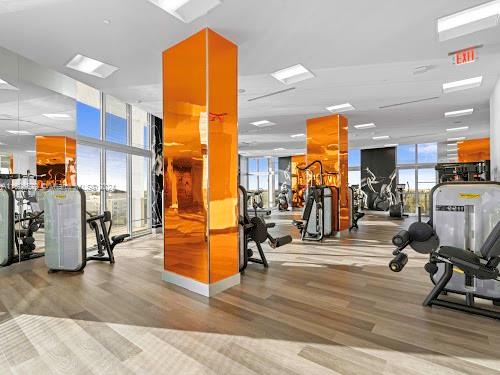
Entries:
{"x":329,"y":308}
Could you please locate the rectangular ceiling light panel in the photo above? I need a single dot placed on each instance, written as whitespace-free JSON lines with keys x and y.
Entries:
{"x":469,"y":21}
{"x":464,"y":84}
{"x":18,"y":132}
{"x":262,"y":124}
{"x":341,"y":108}
{"x":292,"y":74}
{"x":456,"y":139}
{"x":186,"y":10}
{"x":457,"y":129}
{"x":91,"y":66}
{"x":380,"y":137}
{"x":298,"y":135}
{"x":463,"y":112}
{"x":365,"y":126}
{"x":57,"y":116}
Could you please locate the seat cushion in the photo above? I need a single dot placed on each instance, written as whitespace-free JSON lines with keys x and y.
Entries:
{"x":120,"y":238}
{"x":456,"y":252}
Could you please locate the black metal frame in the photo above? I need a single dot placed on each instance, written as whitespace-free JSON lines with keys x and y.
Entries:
{"x":440,"y":287}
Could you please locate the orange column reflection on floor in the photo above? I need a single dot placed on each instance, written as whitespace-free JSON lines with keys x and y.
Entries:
{"x":473,"y":150}
{"x":55,"y":161}
{"x":327,"y":141}
{"x":201,"y":163}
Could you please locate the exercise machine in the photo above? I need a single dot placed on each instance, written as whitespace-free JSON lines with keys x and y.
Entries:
{"x":255,"y":229}
{"x":354,"y":213}
{"x":463,"y":242}
{"x":66,"y":231}
{"x":282,"y":200}
{"x":26,"y":227}
{"x":472,"y":171}
{"x":101,"y":225}
{"x":397,"y":210}
{"x":6,"y":227}
{"x":320,"y":217}
{"x":257,"y":203}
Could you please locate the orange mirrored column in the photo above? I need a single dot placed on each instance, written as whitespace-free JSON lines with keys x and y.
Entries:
{"x":55,"y":161}
{"x":201,"y":163}
{"x":473,"y":150}
{"x":327,"y":141}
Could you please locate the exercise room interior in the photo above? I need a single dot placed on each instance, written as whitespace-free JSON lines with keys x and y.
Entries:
{"x":250,"y":187}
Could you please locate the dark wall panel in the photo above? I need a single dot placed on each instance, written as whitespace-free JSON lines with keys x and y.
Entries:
{"x":378,"y":177}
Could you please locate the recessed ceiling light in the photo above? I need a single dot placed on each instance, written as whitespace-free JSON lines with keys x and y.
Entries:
{"x":469,"y":21}
{"x":57,"y":116}
{"x":18,"y":132}
{"x":380,"y":137}
{"x":91,"y":66}
{"x":365,"y":126}
{"x":280,"y":149}
{"x":300,"y":135}
{"x":391,"y":145}
{"x":263,"y":123}
{"x":107,"y":22}
{"x":462,"y":112}
{"x":464,"y":84}
{"x":457,"y":129}
{"x":4,"y":85}
{"x":292,"y":74}
{"x":186,"y":10}
{"x":341,"y":108}
{"x":456,"y":139}
{"x":31,"y":151}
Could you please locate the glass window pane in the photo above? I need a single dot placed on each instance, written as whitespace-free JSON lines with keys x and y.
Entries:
{"x":427,"y":153}
{"x":354,"y":158}
{"x":140,"y":170}
{"x":116,"y":186}
{"x":88,"y":111}
{"x":263,"y":165}
{"x":88,"y":167}
{"x":252,"y":166}
{"x":140,"y":128}
{"x":427,"y":175}
{"x":116,"y":121}
{"x":354,"y":178}
{"x":264,"y":186}
{"x":406,"y":154}
{"x":407,"y":177}
{"x":252,"y":182}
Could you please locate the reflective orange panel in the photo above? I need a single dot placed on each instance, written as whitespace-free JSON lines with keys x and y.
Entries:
{"x":474,"y":150}
{"x":186,"y":158}
{"x":55,"y":161}
{"x":327,"y":141}
{"x":223,"y":156}
{"x":299,"y":180}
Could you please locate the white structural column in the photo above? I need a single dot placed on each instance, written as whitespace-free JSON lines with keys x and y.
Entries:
{"x":495,"y":132}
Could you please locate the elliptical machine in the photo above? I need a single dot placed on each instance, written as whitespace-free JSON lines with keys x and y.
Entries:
{"x":397,"y":210}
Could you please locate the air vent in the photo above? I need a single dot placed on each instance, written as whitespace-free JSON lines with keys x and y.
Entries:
{"x":271,"y":94}
{"x":405,"y":103}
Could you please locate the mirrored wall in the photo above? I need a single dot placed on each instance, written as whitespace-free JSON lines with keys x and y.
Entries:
{"x":111,"y":160}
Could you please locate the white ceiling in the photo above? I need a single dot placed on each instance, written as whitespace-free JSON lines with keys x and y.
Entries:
{"x":361,"y":51}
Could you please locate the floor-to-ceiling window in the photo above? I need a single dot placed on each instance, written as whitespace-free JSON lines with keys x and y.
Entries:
{"x":114,"y":159}
{"x":416,"y":169}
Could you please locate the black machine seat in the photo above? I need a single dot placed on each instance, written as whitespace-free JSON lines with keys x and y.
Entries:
{"x":120,"y":238}
{"x":461,"y":255}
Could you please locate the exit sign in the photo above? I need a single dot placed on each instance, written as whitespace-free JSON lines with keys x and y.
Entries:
{"x":464,"y":56}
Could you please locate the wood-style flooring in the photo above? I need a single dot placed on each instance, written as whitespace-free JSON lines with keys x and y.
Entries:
{"x":321,"y":308}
